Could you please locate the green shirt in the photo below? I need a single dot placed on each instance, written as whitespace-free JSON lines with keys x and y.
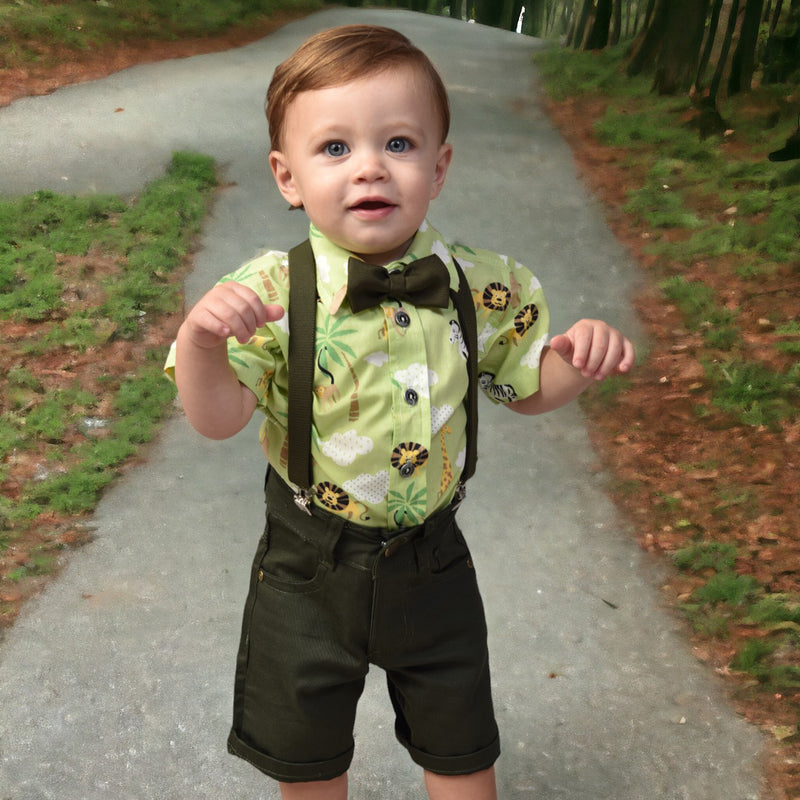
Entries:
{"x":389,"y":390}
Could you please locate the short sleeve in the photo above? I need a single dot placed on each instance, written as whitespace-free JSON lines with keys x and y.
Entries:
{"x":513,"y":324}
{"x":257,"y":361}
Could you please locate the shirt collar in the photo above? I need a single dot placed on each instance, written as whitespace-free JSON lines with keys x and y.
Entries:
{"x":332,"y":262}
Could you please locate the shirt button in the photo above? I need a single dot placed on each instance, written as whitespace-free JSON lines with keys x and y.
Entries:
{"x":411,"y":397}
{"x":402,"y":319}
{"x":407,"y":469}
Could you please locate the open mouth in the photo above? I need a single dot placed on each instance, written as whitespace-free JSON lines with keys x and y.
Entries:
{"x":372,"y":205}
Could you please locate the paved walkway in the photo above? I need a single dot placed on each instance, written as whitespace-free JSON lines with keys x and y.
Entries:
{"x":117,"y":682}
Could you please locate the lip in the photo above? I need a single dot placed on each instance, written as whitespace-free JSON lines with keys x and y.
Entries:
{"x":371,"y":208}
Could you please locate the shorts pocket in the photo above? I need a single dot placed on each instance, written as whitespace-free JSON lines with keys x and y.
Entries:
{"x":451,"y":552}
{"x":290,"y":563}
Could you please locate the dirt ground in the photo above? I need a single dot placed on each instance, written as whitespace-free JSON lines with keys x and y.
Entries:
{"x":720,"y":480}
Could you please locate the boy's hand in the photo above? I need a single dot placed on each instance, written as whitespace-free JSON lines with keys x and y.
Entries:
{"x":594,"y":348}
{"x":229,"y":309}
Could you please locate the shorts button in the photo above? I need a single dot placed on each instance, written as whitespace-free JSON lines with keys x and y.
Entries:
{"x":402,"y":318}
{"x":411,"y":397}
{"x":407,"y":469}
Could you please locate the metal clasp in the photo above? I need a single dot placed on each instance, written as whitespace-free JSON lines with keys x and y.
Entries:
{"x":302,"y":499}
{"x":458,"y":496}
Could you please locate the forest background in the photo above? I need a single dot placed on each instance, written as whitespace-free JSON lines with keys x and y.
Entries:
{"x":684,"y":118}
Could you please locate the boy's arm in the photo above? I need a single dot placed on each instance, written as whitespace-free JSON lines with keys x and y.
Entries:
{"x":589,"y":351}
{"x":214,"y":401}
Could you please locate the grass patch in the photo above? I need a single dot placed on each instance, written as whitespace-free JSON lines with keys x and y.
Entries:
{"x":756,"y":394}
{"x":82,"y":277}
{"x":39,"y":232}
{"x":718,"y":556}
{"x":698,"y":305}
{"x":29,"y":29}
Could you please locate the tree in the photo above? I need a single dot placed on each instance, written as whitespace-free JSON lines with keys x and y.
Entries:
{"x":711,"y":35}
{"x":598,"y":34}
{"x":744,"y":57}
{"x":489,"y":12}
{"x":676,"y":68}
{"x":578,"y":31}
{"x":730,"y":28}
{"x":647,"y":45}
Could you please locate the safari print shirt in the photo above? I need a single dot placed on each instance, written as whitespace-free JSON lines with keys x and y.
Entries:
{"x":389,"y":439}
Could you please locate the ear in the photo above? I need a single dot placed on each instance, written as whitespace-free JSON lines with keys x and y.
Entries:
{"x":284,"y":179}
{"x":440,"y":172}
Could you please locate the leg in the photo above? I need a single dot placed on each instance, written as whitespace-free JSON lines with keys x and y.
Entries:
{"x":477,"y":786}
{"x":335,"y":789}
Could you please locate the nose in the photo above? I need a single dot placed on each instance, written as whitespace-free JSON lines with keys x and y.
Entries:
{"x":370,"y":166}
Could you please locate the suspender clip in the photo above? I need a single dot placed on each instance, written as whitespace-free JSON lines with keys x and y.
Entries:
{"x":302,"y":499}
{"x":460,"y":494}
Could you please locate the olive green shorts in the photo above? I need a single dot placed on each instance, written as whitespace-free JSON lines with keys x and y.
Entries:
{"x":327,"y":599}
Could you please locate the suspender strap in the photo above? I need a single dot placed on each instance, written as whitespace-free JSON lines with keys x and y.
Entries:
{"x":469,"y":330}
{"x":302,"y":332}
{"x":302,"y":337}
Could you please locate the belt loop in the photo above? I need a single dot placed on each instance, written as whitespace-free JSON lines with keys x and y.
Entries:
{"x":333,"y":532}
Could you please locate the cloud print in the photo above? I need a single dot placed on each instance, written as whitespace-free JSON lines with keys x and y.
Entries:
{"x":344,"y":448}
{"x":417,"y":377}
{"x":368,"y":488}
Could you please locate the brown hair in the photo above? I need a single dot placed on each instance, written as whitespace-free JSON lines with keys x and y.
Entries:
{"x":340,"y":55}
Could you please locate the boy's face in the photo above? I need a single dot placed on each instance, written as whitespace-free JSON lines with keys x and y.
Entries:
{"x":364,"y":159}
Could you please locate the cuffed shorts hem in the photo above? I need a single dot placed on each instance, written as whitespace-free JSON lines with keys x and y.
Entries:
{"x":287,"y":772}
{"x":455,"y":765}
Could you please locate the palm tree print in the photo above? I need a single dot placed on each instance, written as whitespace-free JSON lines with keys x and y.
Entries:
{"x":409,"y":508}
{"x":331,"y":346}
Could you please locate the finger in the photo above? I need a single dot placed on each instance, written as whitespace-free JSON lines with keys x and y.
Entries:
{"x":562,"y":345}
{"x":628,"y":357}
{"x":611,"y":359}
{"x":272,"y":313}
{"x":597,"y":342}
{"x":240,"y":308}
{"x":581,"y":336}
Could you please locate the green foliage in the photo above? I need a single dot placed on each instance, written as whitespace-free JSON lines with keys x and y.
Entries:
{"x":605,"y":393}
{"x":752,"y":654}
{"x":569,"y":73}
{"x":661,"y":207}
{"x":719,"y":556}
{"x":140,"y":404}
{"x":792,"y":346}
{"x":756,"y":394}
{"x":774,"y":610}
{"x":697,"y":302}
{"x":727,"y":587}
{"x":83,"y":24}
{"x":152,"y":233}
{"x":149,"y":236}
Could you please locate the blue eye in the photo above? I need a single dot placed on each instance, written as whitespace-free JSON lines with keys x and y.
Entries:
{"x":398,"y":145}
{"x":336,"y":149}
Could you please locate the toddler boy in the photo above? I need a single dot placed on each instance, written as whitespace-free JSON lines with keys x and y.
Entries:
{"x":366,"y":375}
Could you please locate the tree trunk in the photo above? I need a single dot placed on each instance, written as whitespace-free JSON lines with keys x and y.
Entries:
{"x":598,"y":35}
{"x":711,"y":35}
{"x":616,"y":27}
{"x":648,"y":14}
{"x":680,"y":51}
{"x":716,"y":81}
{"x":647,"y":45}
{"x":489,"y":12}
{"x":579,"y":34}
{"x":533,"y":23}
{"x":744,"y":57}
{"x":776,"y":17}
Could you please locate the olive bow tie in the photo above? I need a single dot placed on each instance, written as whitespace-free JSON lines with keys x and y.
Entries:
{"x":425,"y":282}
